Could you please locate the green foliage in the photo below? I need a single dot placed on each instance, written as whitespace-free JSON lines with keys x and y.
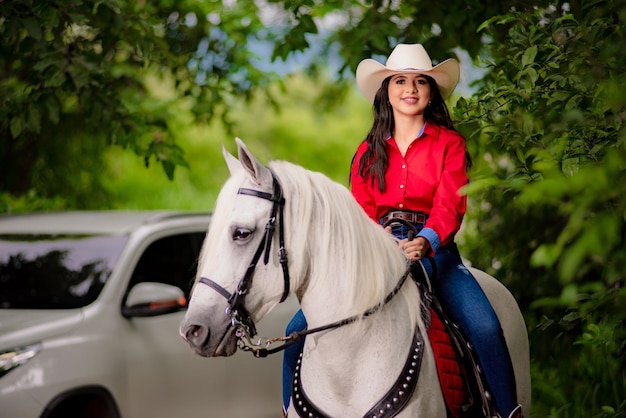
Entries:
{"x":375,"y":27}
{"x":548,"y":123}
{"x":75,"y":70}
{"x":78,"y":68}
{"x":317,"y":139}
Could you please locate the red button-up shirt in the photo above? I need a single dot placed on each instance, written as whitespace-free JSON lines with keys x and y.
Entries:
{"x":426,"y":179}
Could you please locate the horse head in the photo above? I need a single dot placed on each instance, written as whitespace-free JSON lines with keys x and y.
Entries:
{"x":239,"y":277}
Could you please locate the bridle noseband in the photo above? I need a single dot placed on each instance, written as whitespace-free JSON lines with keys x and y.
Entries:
{"x":240,"y":317}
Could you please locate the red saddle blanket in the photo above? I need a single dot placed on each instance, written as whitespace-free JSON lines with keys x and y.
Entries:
{"x":448,"y":366}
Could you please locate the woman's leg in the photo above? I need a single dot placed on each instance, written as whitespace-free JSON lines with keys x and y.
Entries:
{"x":291,"y":354}
{"x":466,"y":303}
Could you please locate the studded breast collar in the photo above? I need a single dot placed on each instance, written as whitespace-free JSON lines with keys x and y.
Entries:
{"x":389,"y":406}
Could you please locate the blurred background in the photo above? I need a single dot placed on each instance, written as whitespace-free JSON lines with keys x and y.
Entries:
{"x":116,"y":104}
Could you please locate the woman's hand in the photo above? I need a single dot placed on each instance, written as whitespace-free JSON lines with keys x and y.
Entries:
{"x":416,"y":249}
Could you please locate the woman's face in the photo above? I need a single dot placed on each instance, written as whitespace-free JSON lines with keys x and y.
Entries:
{"x":409,"y":94}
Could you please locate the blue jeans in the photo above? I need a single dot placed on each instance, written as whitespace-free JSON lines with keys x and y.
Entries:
{"x":467,"y":305}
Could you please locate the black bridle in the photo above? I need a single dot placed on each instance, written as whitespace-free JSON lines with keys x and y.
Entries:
{"x":236,"y":309}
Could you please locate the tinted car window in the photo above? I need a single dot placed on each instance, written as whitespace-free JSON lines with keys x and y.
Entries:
{"x":55,"y":272}
{"x":171,"y":260}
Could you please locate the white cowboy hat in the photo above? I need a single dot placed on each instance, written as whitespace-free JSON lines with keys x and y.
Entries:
{"x":407,"y":58}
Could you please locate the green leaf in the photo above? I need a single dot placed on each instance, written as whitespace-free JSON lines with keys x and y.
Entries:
{"x":529,"y":56}
{"x":498,"y":20}
{"x":169,"y":168}
{"x":307,"y":24}
{"x":532,"y":75}
{"x":32,"y":28}
{"x":17,"y":126}
{"x":481,"y":184}
{"x":34,"y":119}
{"x":52,"y":60}
{"x":57,"y":79}
{"x":571,"y":316}
{"x":569,"y":295}
{"x":545,"y":255}
{"x":557,"y":96}
{"x":53,"y":110}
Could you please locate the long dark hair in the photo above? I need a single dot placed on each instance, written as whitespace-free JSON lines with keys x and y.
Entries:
{"x":375,"y":160}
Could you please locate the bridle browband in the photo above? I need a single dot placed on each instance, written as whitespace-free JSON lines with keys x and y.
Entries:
{"x":240,"y":317}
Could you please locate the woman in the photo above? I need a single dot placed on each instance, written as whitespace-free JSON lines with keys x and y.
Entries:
{"x":412,"y":165}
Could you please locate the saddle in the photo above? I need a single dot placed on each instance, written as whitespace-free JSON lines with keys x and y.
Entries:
{"x":460,"y":375}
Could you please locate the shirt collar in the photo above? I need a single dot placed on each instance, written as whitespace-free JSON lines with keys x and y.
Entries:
{"x":422,"y":130}
{"x":419,"y":135}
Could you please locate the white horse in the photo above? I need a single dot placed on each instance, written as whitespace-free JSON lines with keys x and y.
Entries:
{"x":340,"y":265}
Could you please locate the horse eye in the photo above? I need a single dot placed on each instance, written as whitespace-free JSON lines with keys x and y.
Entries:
{"x":241,"y":234}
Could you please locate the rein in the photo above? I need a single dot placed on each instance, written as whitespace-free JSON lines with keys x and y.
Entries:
{"x":295,"y":336}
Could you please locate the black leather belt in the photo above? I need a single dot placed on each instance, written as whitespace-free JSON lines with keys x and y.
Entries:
{"x":413,"y":217}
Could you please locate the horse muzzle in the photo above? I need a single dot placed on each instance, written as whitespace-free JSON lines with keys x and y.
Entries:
{"x":199,"y":339}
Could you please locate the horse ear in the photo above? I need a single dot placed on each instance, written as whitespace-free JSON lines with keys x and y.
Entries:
{"x":231,"y":161}
{"x":257,"y":171}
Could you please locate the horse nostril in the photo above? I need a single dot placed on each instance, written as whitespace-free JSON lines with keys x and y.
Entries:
{"x":197,"y":335}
